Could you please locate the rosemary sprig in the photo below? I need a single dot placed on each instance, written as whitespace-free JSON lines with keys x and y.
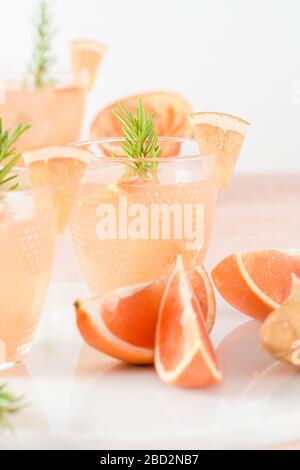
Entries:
{"x":9,"y":404}
{"x":8,"y":153}
{"x":141,"y":137}
{"x":42,"y":58}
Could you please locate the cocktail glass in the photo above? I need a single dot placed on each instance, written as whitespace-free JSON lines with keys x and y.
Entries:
{"x":132,"y":218}
{"x":55,"y":113}
{"x":27,"y":239}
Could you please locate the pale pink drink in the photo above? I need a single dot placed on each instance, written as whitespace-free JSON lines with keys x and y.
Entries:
{"x":27,"y":239}
{"x":159,"y":214}
{"x":55,"y":113}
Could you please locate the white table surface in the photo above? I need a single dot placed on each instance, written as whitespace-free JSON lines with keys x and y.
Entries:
{"x":79,"y":398}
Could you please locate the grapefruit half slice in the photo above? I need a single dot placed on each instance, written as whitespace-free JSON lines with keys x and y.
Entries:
{"x":171,"y":120}
{"x":122,"y":323}
{"x":256,"y":283}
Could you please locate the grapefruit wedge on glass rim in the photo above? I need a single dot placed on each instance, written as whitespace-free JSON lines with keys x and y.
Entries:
{"x":256,"y":283}
{"x":86,"y":57}
{"x":184,"y":354}
{"x":171,"y":120}
{"x":62,"y":169}
{"x":122,"y":323}
{"x":221,"y":135}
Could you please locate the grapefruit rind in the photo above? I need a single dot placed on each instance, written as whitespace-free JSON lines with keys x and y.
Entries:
{"x":226,"y":122}
{"x":107,"y":322}
{"x":253,"y":287}
{"x":62,"y":168}
{"x":233,"y":280}
{"x":95,"y":332}
{"x":220,"y":135}
{"x":210,"y":294}
{"x":82,"y":44}
{"x":86,"y":57}
{"x":171,"y":118}
{"x":47,"y":153}
{"x":190,"y":325}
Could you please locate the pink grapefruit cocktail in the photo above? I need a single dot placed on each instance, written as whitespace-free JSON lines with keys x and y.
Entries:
{"x":27,"y":239}
{"x":129,"y":230}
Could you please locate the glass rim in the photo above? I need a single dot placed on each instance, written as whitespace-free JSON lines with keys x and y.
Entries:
{"x":62,"y":79}
{"x":165,"y":159}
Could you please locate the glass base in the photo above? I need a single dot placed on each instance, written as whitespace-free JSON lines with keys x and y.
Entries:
{"x":18,"y":357}
{"x":8,"y":365}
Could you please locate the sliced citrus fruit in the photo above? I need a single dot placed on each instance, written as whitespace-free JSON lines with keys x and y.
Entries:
{"x":184,"y":354}
{"x":204,"y":293}
{"x":122,"y":323}
{"x":256,"y":283}
{"x":171,"y":119}
{"x":86,"y":57}
{"x":61,"y":168}
{"x":221,"y":135}
{"x":280,"y":333}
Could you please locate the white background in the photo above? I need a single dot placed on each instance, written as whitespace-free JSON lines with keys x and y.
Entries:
{"x":235,"y":56}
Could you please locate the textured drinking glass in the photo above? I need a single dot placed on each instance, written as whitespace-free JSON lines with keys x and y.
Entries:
{"x":55,"y":112}
{"x":129,"y":223}
{"x":27,"y":239}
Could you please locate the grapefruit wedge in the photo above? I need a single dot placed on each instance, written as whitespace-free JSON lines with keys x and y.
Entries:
{"x":61,"y":168}
{"x":256,"y":283}
{"x":171,"y":119}
{"x":86,"y":57}
{"x":204,"y":293}
{"x":122,"y":323}
{"x":221,"y":135}
{"x":184,"y":354}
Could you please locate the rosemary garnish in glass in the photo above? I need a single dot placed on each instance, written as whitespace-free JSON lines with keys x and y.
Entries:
{"x":8,"y":153}
{"x":39,"y":71}
{"x":141,"y":137}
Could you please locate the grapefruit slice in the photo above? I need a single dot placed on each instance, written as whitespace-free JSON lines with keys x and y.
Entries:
{"x":184,"y":354}
{"x":256,"y":283}
{"x":204,"y":293}
{"x":61,"y":168}
{"x":280,"y":333}
{"x":221,"y":135}
{"x":86,"y":57}
{"x":171,"y":119}
{"x":122,"y":324}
